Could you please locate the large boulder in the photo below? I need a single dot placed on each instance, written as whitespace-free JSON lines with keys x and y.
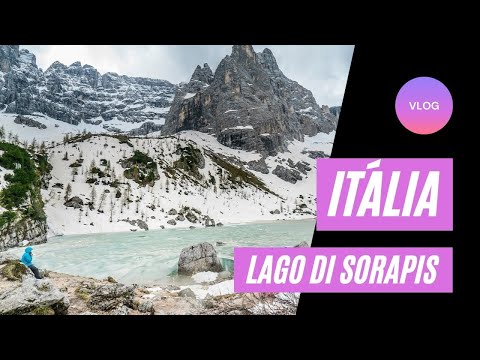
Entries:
{"x":74,"y":202}
{"x":6,"y":257}
{"x":23,"y":120}
{"x":33,"y":296}
{"x":186,"y":293}
{"x":259,"y":165}
{"x":191,"y":217}
{"x":289,"y":175}
{"x":303,"y":244}
{"x":112,"y":296}
{"x":198,"y":258}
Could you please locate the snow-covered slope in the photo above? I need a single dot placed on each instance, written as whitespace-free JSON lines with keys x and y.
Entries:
{"x":56,"y":130}
{"x":223,"y":190}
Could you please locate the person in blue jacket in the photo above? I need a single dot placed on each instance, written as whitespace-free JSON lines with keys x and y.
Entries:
{"x":27,"y":259}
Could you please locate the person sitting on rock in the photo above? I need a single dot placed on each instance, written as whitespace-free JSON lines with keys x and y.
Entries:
{"x":26,"y":260}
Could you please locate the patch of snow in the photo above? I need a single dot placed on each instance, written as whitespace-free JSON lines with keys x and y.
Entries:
{"x":240,"y":127}
{"x":204,"y":277}
{"x":188,"y":96}
{"x":201,"y":291}
{"x":156,"y":110}
{"x":223,"y":288}
{"x":230,"y":111}
{"x":265,"y":134}
{"x":306,"y":110}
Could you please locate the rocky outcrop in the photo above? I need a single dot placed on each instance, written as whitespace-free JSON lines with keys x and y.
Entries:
{"x":191,"y":217}
{"x":74,"y":202}
{"x":6,"y":257}
{"x":112,"y":296}
{"x":209,"y":222}
{"x":146,"y":307}
{"x":24,"y":232}
{"x":315,"y":154}
{"x":335,"y":110}
{"x":289,"y":175}
{"x":31,"y":296}
{"x":140,"y":223}
{"x":259,"y":165}
{"x":23,"y":120}
{"x":186,"y":293}
{"x":78,"y":92}
{"x":146,"y":128}
{"x":198,"y":258}
{"x":249,"y":104}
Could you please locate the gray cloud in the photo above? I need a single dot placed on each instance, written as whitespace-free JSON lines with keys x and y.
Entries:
{"x":323,"y":69}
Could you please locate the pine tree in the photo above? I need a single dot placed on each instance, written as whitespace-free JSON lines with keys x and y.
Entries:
{"x":2,"y":132}
{"x":93,"y":196}
{"x":102,"y":199}
{"x":68,"y":192}
{"x":65,"y":157}
{"x":111,"y":208}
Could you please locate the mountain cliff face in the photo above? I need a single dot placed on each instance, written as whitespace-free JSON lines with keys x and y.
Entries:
{"x":78,"y":93}
{"x":248,"y":104}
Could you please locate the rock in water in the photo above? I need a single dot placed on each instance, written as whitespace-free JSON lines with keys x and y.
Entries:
{"x":302,"y":244}
{"x":31,"y":296}
{"x":198,"y":258}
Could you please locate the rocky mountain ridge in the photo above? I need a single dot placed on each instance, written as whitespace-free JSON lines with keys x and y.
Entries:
{"x":248,"y":104}
{"x":78,"y":93}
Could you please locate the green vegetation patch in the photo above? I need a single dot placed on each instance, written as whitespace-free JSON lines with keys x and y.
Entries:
{"x":123,"y":140}
{"x":14,"y":270}
{"x":43,"y":310}
{"x":24,"y":183}
{"x":238,"y":175}
{"x":191,"y":159}
{"x":6,"y":218}
{"x":141,"y":168}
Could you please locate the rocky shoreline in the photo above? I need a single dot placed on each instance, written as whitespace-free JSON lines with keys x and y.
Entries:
{"x":64,"y":294}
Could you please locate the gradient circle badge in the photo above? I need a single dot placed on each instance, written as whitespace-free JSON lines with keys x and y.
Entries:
{"x":424,"y":105}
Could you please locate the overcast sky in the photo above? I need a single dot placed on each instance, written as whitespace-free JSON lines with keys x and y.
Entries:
{"x":323,"y":69}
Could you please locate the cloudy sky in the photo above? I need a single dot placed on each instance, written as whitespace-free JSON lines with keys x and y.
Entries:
{"x":323,"y":69}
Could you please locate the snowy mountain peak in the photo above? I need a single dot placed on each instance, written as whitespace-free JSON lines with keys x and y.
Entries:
{"x":77,"y":93}
{"x":204,"y":75}
{"x":249,"y":104}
